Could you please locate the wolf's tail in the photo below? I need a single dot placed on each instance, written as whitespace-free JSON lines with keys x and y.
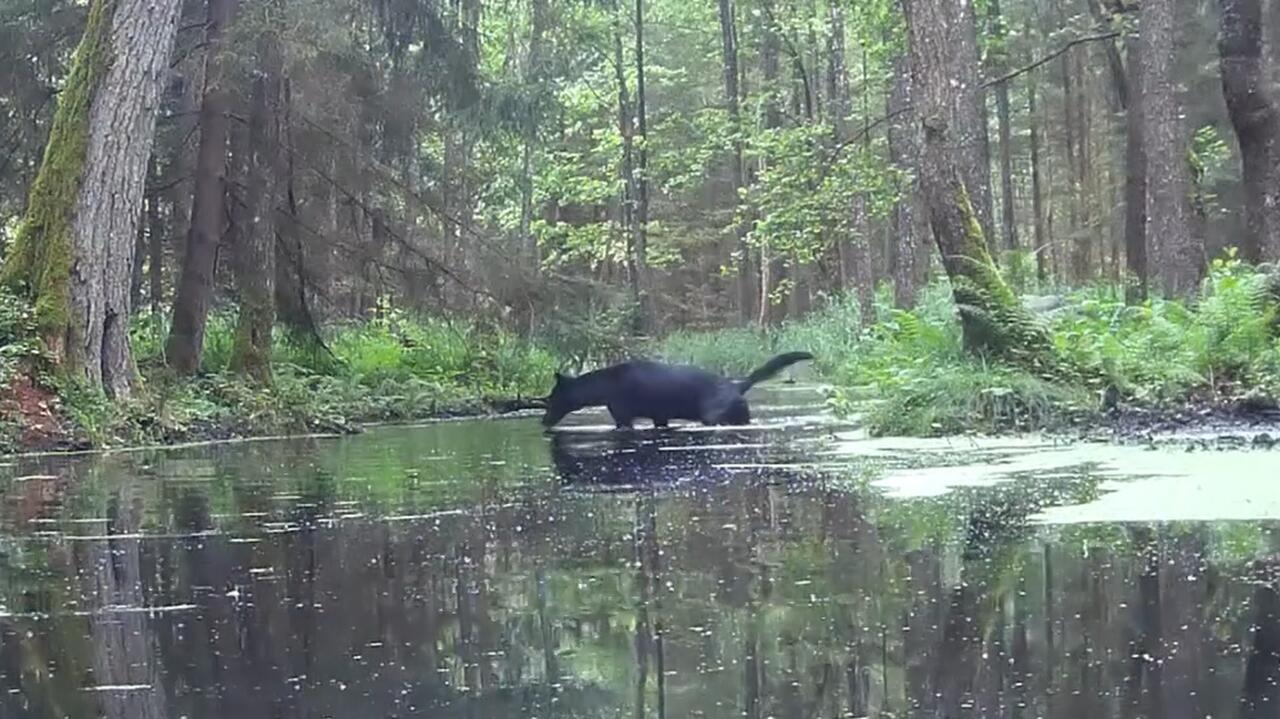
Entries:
{"x":772,"y":367}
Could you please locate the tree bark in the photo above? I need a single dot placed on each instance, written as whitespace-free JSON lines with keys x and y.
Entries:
{"x":1135,"y":181}
{"x":970,"y":130}
{"x":626,"y":167}
{"x":1071,"y":153}
{"x":729,"y":48}
{"x":1172,"y":244}
{"x":771,"y":267}
{"x":74,"y":253}
{"x":208,"y":210}
{"x":645,"y":318}
{"x":1119,"y":97}
{"x":533,"y":81}
{"x":1009,"y":224}
{"x":1256,"y":122}
{"x":254,"y":254}
{"x":155,"y":252}
{"x":910,"y":251}
{"x":1041,"y":248}
{"x":992,"y":318}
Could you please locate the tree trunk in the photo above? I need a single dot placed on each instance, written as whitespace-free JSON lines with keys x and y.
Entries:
{"x":155,"y":250}
{"x":1135,"y":180}
{"x":729,"y":45}
{"x":1178,"y":256}
{"x":971,"y":133}
{"x":1254,"y":117}
{"x":208,"y":210}
{"x":860,"y":256}
{"x":910,"y":251}
{"x":1085,"y":240}
{"x":771,"y":269}
{"x":640,"y":227}
{"x":626,"y":205}
{"x":533,"y":79}
{"x":992,"y":318}
{"x":999,"y":61}
{"x":74,"y":252}
{"x":1071,"y":151}
{"x":1041,"y":248}
{"x":254,"y":254}
{"x":1119,"y":97}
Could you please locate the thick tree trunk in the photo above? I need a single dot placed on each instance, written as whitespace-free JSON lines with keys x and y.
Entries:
{"x":1135,"y":180}
{"x":208,"y":210}
{"x":74,"y":253}
{"x":729,"y":48}
{"x":1178,"y":257}
{"x":909,"y":248}
{"x":992,"y":318}
{"x":254,"y":254}
{"x":1256,"y":122}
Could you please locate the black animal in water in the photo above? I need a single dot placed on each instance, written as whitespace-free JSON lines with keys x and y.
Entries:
{"x":661,"y":392}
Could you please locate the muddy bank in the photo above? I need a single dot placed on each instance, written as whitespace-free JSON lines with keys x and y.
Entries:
{"x":1202,"y":425}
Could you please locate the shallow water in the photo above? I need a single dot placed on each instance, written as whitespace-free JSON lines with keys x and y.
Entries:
{"x":791,"y":569}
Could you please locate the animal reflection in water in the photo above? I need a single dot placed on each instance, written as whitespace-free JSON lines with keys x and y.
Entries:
{"x":621,"y":460}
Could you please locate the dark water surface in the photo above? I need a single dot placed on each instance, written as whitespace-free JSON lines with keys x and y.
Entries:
{"x":793,"y":569}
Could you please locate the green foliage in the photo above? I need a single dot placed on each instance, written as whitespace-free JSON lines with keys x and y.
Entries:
{"x":396,"y":367}
{"x":924,"y":381}
{"x":804,"y":190}
{"x":20,"y":347}
{"x":733,"y":351}
{"x":1224,"y":345}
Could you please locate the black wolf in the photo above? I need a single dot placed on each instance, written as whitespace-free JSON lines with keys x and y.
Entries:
{"x":661,"y":392}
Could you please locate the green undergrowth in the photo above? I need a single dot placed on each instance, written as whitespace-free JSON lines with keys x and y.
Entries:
{"x":908,"y":373}
{"x":393,"y":368}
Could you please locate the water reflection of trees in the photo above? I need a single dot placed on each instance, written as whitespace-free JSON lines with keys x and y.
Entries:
{"x":724,"y":590}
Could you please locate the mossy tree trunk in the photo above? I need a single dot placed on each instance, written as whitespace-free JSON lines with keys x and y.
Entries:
{"x":74,"y":253}
{"x":993,"y":319}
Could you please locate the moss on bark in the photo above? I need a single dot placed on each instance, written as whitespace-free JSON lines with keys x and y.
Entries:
{"x":39,"y":262}
{"x":994,"y":320}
